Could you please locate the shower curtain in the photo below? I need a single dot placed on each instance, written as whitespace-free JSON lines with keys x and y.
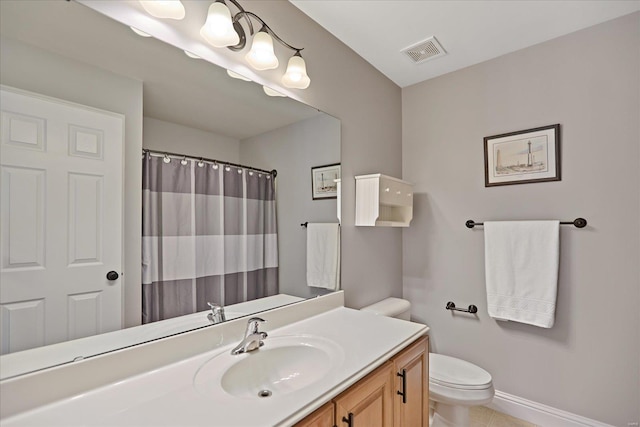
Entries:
{"x":209,"y":235}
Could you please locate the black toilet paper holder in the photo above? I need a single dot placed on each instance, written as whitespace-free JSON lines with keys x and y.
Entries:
{"x":472,"y":308}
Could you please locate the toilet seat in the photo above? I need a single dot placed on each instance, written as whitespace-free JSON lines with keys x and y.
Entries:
{"x":458,"y":374}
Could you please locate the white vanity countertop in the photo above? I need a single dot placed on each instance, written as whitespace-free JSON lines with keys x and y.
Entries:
{"x":167,"y":396}
{"x":41,"y":357}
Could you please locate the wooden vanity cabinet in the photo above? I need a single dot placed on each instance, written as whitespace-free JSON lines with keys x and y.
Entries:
{"x":369,"y":402}
{"x":395,"y":394}
{"x":322,"y":417}
{"x":411,"y":366}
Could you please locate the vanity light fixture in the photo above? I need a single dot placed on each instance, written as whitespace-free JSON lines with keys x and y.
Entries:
{"x":238,"y":76}
{"x":261,"y":55}
{"x":140,"y":32}
{"x":218,"y":28}
{"x":169,"y":9}
{"x":221,"y":29}
{"x":296,"y":75}
{"x":192,"y":55}
{"x":272,"y":92}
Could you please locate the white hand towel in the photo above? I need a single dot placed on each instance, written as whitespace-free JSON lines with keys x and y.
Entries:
{"x":521,"y":268}
{"x":323,"y":256}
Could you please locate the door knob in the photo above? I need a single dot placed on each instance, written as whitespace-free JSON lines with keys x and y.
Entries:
{"x":112,"y":275}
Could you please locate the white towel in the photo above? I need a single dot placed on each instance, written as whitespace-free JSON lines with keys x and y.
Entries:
{"x":521,"y":267}
{"x":323,"y":256}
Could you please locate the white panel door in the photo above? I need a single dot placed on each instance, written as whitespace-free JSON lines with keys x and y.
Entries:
{"x":61,"y":221}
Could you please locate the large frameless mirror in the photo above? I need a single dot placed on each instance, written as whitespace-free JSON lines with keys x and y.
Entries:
{"x":189,"y":111}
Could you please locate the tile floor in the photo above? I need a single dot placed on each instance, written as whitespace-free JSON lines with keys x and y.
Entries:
{"x":485,"y":417}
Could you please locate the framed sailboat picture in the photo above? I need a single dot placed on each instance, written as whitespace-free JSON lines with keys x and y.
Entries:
{"x":522,"y":157}
{"x":323,"y":181}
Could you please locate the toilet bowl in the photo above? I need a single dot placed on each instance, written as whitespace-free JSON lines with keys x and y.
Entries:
{"x":454,"y":384}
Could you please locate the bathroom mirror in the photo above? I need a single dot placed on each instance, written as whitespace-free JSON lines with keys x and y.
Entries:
{"x":186,"y":102}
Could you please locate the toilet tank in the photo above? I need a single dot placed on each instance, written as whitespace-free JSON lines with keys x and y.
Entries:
{"x":391,"y":307}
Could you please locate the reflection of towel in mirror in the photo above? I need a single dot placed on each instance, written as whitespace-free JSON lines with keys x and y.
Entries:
{"x":323,"y":256}
{"x":521,"y":268}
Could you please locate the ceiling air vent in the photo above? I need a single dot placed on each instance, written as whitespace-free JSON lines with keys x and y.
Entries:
{"x":425,"y":50}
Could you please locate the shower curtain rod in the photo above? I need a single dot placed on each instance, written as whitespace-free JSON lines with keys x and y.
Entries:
{"x":273,"y":172}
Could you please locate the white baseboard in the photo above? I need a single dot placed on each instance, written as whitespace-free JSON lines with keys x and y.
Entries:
{"x":539,"y":414}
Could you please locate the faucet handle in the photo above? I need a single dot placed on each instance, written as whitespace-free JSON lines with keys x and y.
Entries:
{"x":217,"y":313}
{"x":214,"y":306}
{"x":253,"y":324}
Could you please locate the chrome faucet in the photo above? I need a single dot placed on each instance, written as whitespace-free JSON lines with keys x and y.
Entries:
{"x":217,"y":313}
{"x":252,"y":337}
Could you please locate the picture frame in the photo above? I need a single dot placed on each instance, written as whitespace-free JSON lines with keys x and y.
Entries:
{"x":323,"y":184}
{"x":522,"y":157}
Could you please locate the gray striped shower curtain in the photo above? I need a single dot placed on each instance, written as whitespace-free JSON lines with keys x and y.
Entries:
{"x":209,"y":234}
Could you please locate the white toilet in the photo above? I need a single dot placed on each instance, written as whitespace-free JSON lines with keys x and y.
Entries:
{"x":454,"y":385}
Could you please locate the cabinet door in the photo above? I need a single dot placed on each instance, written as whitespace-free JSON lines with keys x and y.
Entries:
{"x":411,"y":401}
{"x":323,"y":417}
{"x":369,"y":403}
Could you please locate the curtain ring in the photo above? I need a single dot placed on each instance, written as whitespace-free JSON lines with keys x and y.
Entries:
{"x":201,"y":162}
{"x":166,"y":158}
{"x":184,"y":162}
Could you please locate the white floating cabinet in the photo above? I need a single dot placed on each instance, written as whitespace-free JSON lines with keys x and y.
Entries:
{"x":383,"y":201}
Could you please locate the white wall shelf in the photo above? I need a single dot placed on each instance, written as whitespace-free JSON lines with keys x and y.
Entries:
{"x":383,"y":201}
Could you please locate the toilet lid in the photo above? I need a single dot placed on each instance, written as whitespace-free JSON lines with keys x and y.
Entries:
{"x":452,"y":372}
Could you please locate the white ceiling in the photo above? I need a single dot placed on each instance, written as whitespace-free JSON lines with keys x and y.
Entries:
{"x":470,"y":31}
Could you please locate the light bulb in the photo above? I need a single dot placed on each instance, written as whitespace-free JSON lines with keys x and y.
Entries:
{"x":296,"y":75}
{"x":171,"y":9}
{"x":218,"y":29}
{"x":261,"y":56}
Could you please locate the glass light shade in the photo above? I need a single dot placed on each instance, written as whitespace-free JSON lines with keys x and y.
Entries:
{"x":238,"y":76}
{"x":171,"y":9}
{"x":140,"y":32}
{"x":272,"y":92}
{"x":261,"y":56}
{"x":192,"y":55}
{"x":296,"y":75}
{"x":218,"y":28}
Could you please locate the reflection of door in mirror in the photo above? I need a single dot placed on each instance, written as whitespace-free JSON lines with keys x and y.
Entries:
{"x":61,"y":221}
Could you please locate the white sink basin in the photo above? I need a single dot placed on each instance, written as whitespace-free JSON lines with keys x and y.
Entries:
{"x":283,"y":365}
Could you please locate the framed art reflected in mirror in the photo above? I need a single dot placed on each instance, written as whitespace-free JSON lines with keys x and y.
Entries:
{"x":324,"y":184}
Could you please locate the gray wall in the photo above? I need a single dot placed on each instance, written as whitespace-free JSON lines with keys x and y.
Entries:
{"x":36,"y":70}
{"x":369,"y":108}
{"x":588,"y":82}
{"x":166,"y":136}
{"x":292,"y":150}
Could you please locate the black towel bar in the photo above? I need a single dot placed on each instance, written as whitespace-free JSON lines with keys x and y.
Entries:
{"x":578,"y":223}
